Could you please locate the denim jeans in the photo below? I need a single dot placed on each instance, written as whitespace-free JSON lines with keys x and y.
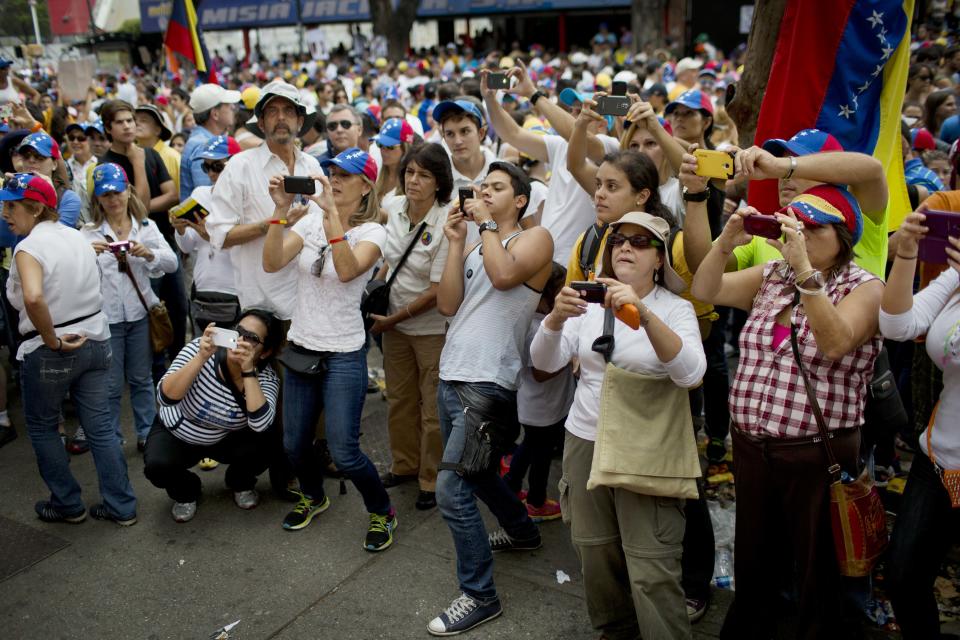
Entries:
{"x":925,"y":529}
{"x":132,"y":357}
{"x":339,"y":392}
{"x":46,"y":378}
{"x":455,"y":497}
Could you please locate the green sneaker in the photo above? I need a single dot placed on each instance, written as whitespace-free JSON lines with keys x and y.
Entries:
{"x":304,"y":512}
{"x":380,"y":533}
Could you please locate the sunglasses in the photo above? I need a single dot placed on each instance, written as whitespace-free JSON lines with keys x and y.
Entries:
{"x":77,"y":138}
{"x":216,"y":166}
{"x":317,"y":268}
{"x":333,"y":124}
{"x":389,"y":148}
{"x":637,"y":242}
{"x":249,"y":336}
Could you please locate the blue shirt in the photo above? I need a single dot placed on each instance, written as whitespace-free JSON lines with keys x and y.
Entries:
{"x":191,"y":165}
{"x":917,"y":174}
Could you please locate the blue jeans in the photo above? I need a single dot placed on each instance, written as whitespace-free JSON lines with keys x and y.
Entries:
{"x":46,"y":378}
{"x":455,"y":497}
{"x":340,"y":391}
{"x":132,"y":359}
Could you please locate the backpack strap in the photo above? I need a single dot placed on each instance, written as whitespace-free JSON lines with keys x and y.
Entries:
{"x":590,"y":247}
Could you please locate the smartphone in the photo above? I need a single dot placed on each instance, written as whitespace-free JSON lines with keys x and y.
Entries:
{"x":465,"y":194}
{"x":119,"y":247}
{"x":595,"y":291}
{"x":618,"y":89}
{"x":714,"y":164}
{"x":613,"y":105}
{"x":299,"y":184}
{"x":6,"y":111}
{"x":497,"y":80}
{"x":763,"y":226}
{"x":225,"y":337}
{"x":941,"y":225}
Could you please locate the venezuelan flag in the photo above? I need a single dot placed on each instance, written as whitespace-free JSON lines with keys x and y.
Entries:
{"x":184,"y":36}
{"x":841,"y":66}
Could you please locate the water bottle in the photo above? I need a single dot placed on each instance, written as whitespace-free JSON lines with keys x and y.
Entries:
{"x":723,"y":569}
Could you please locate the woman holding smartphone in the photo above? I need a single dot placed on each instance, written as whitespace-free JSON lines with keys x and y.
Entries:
{"x":130,"y":251}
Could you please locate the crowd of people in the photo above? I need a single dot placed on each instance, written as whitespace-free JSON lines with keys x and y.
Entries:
{"x":230,"y":252}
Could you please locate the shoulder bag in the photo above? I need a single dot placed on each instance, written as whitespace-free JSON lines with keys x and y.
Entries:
{"x":645,"y":439}
{"x":857,"y":516}
{"x":161,"y":329}
{"x":376,"y":297}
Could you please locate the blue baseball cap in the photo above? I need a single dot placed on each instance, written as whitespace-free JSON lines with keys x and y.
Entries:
{"x":109,"y":178}
{"x":458,"y":106}
{"x":693,"y":99}
{"x":29,"y":186}
{"x":219,"y":147}
{"x":393,"y":132}
{"x":804,"y":143}
{"x":4,"y":63}
{"x":42,"y":144}
{"x":568,"y":96}
{"x":354,"y":161}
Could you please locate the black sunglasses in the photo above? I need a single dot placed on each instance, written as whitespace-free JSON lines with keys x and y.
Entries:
{"x":248,"y":336}
{"x":216,"y":166}
{"x":637,"y":241}
{"x":333,"y":124}
{"x":77,"y":138}
{"x":317,"y":268}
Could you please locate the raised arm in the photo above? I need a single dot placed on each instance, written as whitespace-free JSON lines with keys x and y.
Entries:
{"x":509,"y":131}
{"x":450,"y":291}
{"x":712,"y":285}
{"x":582,"y":169}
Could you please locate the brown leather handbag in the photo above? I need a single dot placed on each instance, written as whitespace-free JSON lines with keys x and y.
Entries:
{"x":161,"y":329}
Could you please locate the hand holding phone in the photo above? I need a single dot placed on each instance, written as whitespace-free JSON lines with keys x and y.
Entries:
{"x":225,"y":337}
{"x":593,"y":291}
{"x":612,"y":105}
{"x":941,"y":225}
{"x":465,"y":193}
{"x":764,"y":226}
{"x":714,"y":164}
{"x":497,"y":80}
{"x":299,"y":184}
{"x":119,"y":247}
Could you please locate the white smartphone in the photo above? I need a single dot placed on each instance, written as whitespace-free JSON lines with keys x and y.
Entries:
{"x":225,"y":338}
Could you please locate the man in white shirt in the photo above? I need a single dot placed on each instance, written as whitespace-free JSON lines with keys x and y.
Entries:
{"x":242,"y":203}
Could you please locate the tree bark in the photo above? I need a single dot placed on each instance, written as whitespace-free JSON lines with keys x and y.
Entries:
{"x":761,"y":45}
{"x":394,"y":24}
{"x":647,"y":23}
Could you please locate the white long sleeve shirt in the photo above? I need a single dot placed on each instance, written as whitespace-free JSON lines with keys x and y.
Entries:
{"x":936,"y":313}
{"x":120,"y":301}
{"x":552,"y":350}
{"x":213,"y":269}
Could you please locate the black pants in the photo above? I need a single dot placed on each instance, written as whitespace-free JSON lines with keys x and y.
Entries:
{"x":716,"y":385}
{"x":926,"y":527}
{"x":167,"y":461}
{"x":534,"y":454}
{"x":698,"y":548}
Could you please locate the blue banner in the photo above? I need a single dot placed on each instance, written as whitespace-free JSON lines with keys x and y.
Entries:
{"x":239,"y":14}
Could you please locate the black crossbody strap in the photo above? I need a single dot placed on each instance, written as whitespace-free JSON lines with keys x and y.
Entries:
{"x":406,"y":254}
{"x":834,"y":468}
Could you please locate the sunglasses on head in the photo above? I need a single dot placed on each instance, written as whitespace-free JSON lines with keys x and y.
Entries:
{"x":249,"y":336}
{"x":637,"y":241}
{"x":317,"y":268}
{"x":333,"y":124}
{"x":215,"y":166}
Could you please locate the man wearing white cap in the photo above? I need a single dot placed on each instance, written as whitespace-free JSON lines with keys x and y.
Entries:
{"x":213,"y":110}
{"x":242,"y":204}
{"x":686,"y":77}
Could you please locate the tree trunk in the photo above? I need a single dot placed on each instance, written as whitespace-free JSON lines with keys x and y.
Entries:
{"x":761,"y":44}
{"x":646,"y":23}
{"x":394,"y":24}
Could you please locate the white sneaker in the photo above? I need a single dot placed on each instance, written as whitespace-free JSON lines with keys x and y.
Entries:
{"x":184,"y":511}
{"x":246,"y":499}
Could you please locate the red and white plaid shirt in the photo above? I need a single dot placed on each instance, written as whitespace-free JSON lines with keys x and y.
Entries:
{"x":768,"y":398}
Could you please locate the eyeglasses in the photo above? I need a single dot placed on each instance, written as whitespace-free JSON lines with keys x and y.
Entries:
{"x":248,"y":336}
{"x":333,"y":124}
{"x":317,"y":268}
{"x":216,"y":166}
{"x":389,"y":148}
{"x":77,"y":138}
{"x":637,"y":242}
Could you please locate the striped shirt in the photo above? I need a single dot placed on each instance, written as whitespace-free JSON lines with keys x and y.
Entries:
{"x":767,"y":397}
{"x":208,"y":412}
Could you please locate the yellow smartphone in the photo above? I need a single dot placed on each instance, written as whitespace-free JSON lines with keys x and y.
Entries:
{"x":714,"y":164}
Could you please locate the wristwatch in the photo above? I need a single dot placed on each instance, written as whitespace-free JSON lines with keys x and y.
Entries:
{"x":489,"y":225}
{"x":536,"y":96}
{"x":248,"y":374}
{"x":699,"y":196}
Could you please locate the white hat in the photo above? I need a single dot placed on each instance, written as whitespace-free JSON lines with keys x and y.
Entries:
{"x":625,"y":76}
{"x":688,"y":64}
{"x":660,"y":228}
{"x":281,"y":89}
{"x":207,"y":96}
{"x":578,"y":58}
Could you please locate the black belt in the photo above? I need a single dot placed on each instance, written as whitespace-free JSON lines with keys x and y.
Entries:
{"x":30,"y":335}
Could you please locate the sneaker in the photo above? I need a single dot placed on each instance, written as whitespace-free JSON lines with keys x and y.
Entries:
{"x":49,"y":513}
{"x":463,"y":614}
{"x":7,"y":435}
{"x":208,"y":463}
{"x":141,"y":444}
{"x":304,"y":512}
{"x":184,"y":511}
{"x":78,"y":444}
{"x":380,"y":532}
{"x":500,"y":541}
{"x":696,"y":608}
{"x":99,"y":512}
{"x":505,"y":464}
{"x":426,"y":500}
{"x":246,"y":499}
{"x":716,"y":450}
{"x":549,"y":510}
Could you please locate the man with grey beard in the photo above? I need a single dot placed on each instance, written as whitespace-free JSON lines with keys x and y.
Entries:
{"x":242,"y":205}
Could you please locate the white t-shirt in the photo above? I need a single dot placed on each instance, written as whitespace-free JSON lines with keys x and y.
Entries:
{"x":672,"y":198}
{"x":538,"y":196}
{"x":552,"y":350}
{"x":541,"y":404}
{"x":326,"y":313}
{"x":71,"y":284}
{"x":568,"y":209}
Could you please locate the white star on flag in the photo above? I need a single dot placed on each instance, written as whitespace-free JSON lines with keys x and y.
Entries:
{"x":863,"y":89}
{"x":846,"y":111}
{"x":882,"y":36}
{"x":887,"y":51}
{"x":876,"y":72}
{"x":875,"y":19}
